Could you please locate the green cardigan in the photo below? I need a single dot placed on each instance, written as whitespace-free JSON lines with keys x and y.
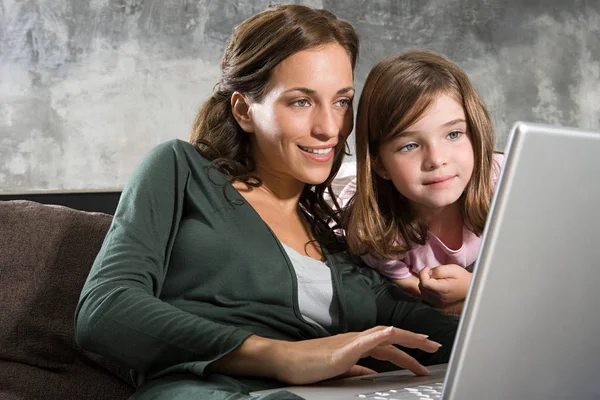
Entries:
{"x":188,"y":270}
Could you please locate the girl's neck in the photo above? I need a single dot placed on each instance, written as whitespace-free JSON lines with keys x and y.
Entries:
{"x":446,"y":224}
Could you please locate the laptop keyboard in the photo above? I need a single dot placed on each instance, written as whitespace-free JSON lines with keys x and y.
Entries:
{"x":431,"y":391}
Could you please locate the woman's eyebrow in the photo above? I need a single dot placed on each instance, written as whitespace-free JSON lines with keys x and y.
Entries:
{"x":345,"y":90}
{"x":311,"y":91}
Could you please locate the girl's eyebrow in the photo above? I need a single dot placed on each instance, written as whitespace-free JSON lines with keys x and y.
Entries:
{"x":445,"y":125}
{"x":454,"y":122}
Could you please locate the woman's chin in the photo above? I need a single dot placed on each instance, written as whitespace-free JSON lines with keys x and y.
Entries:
{"x":315,"y":179}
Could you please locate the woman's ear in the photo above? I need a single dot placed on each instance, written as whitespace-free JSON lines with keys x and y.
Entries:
{"x":240,"y":107}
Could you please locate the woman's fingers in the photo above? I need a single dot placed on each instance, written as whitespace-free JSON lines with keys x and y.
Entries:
{"x":371,"y":338}
{"x":378,"y":343}
{"x":412,"y":340}
{"x":337,"y":355}
{"x":357,"y":370}
{"x":325,"y":358}
{"x":384,"y":336}
{"x":400,"y":358}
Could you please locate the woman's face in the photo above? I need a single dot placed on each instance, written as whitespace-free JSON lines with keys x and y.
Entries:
{"x":305,"y":116}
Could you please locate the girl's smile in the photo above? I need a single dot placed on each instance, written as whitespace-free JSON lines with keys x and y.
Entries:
{"x":439,"y":182}
{"x":431,"y":162}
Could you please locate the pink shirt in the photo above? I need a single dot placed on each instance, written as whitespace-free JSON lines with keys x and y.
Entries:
{"x":433,"y":252}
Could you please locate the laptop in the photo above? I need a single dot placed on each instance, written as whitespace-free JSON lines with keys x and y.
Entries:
{"x":530,"y":328}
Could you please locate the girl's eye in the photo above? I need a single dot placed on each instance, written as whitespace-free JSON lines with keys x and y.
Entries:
{"x":408,"y":147}
{"x":454,"y":135}
{"x":301,"y":103}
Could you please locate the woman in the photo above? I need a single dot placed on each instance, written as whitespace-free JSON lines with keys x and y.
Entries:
{"x":220,"y":273}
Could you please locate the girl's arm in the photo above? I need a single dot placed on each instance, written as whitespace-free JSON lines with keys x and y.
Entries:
{"x":444,"y":285}
{"x":455,"y":309}
{"x":410,"y":284}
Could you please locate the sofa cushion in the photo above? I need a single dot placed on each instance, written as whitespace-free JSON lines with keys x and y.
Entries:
{"x":46,"y":253}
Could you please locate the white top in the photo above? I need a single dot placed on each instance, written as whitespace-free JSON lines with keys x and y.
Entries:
{"x":315,"y":289}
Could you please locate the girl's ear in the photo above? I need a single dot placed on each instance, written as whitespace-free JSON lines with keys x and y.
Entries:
{"x":380,"y":169}
{"x":240,"y":107}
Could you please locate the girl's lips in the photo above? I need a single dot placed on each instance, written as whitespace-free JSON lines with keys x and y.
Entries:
{"x":439,"y":181}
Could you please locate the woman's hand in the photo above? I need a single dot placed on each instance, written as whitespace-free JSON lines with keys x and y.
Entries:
{"x":444,"y":285}
{"x":314,"y":360}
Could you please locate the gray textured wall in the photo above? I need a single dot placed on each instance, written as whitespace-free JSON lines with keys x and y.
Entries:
{"x":87,"y":87}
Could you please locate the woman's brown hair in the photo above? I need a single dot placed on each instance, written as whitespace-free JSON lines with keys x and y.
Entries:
{"x":256,"y":47}
{"x":398,"y":91}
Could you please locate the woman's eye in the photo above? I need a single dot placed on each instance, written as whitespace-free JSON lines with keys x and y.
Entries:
{"x":408,"y":147}
{"x":454,"y":135}
{"x":345,"y":103}
{"x":301,"y":103}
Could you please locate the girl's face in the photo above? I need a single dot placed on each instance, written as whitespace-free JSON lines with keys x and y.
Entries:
{"x":431,"y":162}
{"x":305,"y":116}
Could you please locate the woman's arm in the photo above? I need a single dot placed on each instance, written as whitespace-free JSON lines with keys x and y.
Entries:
{"x":314,"y":360}
{"x":119,"y":313}
{"x":121,"y":316}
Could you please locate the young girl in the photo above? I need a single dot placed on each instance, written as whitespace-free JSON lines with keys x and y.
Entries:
{"x":425,"y":176}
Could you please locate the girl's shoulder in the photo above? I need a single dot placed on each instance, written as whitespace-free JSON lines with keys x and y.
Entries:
{"x":347,"y":192}
{"x":344,"y":183}
{"x":497,"y":163}
{"x":498,"y":158}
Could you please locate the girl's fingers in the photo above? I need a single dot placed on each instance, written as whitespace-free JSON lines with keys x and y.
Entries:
{"x":400,"y":358}
{"x":440,"y":272}
{"x":445,"y":271}
{"x":433,"y":284}
{"x":424,"y":274}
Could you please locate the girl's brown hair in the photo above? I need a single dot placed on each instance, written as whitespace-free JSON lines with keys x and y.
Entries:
{"x":256,"y":47}
{"x":398,"y":91}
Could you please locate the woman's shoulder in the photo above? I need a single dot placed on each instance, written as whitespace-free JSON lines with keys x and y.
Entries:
{"x":174,"y":154}
{"x":180,"y":148}
{"x":171,"y":160}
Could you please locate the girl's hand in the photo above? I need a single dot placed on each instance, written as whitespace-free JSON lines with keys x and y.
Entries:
{"x":314,"y":360}
{"x":444,"y":285}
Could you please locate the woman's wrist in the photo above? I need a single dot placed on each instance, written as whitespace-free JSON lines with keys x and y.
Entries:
{"x":256,"y":357}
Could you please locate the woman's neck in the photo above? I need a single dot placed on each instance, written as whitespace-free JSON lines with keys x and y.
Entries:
{"x":282,"y":191}
{"x":446,"y":224}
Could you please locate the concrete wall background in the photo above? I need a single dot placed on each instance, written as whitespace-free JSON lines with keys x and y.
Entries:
{"x":88,"y":87}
